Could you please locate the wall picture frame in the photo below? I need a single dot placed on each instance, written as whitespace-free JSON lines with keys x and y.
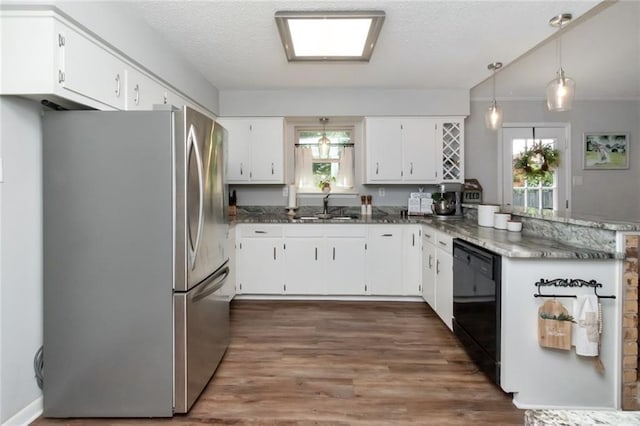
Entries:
{"x":606,"y":150}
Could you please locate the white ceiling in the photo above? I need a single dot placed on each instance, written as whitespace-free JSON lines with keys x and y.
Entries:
{"x":423,"y":44}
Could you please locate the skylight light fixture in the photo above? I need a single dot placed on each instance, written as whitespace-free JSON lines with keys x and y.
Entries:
{"x":329,"y":36}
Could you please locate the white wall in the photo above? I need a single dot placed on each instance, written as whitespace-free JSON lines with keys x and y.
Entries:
{"x":610,"y":193}
{"x":20,"y":253}
{"x":341,"y":102}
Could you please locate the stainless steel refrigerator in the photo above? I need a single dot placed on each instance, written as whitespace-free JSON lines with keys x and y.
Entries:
{"x":135,"y":256}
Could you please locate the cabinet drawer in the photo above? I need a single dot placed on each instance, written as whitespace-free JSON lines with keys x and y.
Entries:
{"x":260,"y":231}
{"x":429,"y":234}
{"x":296,"y":230}
{"x":445,"y":242}
{"x":345,"y":230}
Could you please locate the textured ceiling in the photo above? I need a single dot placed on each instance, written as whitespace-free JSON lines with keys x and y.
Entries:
{"x":423,"y":44}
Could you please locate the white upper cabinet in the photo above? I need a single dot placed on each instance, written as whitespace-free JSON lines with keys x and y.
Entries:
{"x":89,"y":70}
{"x":450,"y":140}
{"x":143,"y":92}
{"x":256,"y":149}
{"x":401,"y":150}
{"x":45,"y":56}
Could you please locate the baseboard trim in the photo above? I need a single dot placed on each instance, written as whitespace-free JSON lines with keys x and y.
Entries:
{"x":27,"y":415}
{"x":329,"y":298}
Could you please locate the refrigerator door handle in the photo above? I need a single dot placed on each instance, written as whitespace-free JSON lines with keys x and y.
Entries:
{"x":215,"y":283}
{"x":192,"y":143}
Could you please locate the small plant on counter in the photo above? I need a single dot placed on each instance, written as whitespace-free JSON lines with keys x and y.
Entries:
{"x":559,"y":317}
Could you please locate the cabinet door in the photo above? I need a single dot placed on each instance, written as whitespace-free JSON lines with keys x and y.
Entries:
{"x":444,"y":287}
{"x":304,"y":266}
{"x":90,"y":70}
{"x":238,"y":149}
{"x":345,"y":266}
{"x":429,"y":272}
{"x":412,"y":259}
{"x":267,"y":150}
{"x":384,"y":260}
{"x":143,"y":92}
{"x":419,"y":150}
{"x":383,"y":150}
{"x":260,"y":268}
{"x":450,"y":141}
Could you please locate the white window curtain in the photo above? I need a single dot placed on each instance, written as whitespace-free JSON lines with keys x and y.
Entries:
{"x":345,"y":168}
{"x":303,"y":167}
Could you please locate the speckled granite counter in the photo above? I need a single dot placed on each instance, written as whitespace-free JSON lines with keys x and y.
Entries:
{"x":580,"y":418}
{"x":505,"y":243}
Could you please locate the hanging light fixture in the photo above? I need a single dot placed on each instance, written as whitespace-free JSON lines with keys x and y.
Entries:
{"x":324,"y":142}
{"x":493,"y":116}
{"x":560,"y":90}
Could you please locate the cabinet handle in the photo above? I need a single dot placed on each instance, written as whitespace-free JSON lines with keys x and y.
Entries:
{"x":413,"y":240}
{"x":260,"y":232}
{"x":316,"y":253}
{"x":334,"y":253}
{"x":437,"y":266}
{"x":442,"y":243}
{"x":377,"y":167}
{"x":427,"y":235}
{"x":118,"y":85}
{"x":61,"y":40}
{"x":165,"y":98}
{"x":60,"y":76}
{"x":411,"y":168}
{"x":274,"y":253}
{"x":272,"y":169}
{"x":430,"y":261}
{"x":241,"y":169}
{"x":136,"y":100}
{"x":386,"y":235}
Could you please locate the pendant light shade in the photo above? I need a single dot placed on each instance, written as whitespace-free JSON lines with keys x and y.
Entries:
{"x":324,"y":142}
{"x":562,"y":89}
{"x":493,"y":116}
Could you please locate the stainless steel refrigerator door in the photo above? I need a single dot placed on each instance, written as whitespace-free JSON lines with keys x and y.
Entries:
{"x":206,"y":224}
{"x":202,"y":337}
{"x":108,"y":270}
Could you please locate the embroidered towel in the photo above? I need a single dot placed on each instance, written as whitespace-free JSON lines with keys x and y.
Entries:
{"x":586,"y":330}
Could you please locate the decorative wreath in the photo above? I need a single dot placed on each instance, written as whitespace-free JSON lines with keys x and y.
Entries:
{"x":537,"y":161}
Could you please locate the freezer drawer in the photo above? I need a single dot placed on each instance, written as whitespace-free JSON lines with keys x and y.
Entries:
{"x":202,"y":336}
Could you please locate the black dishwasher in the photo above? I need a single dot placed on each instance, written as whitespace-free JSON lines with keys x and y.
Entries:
{"x":476,"y":304}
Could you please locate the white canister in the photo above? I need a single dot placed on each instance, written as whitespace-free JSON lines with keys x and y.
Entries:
{"x":500,"y":220}
{"x":485,"y":214}
{"x":514,"y":226}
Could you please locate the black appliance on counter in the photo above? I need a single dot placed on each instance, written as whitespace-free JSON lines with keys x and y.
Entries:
{"x":476,"y":304}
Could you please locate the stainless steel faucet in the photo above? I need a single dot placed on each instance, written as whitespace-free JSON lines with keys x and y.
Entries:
{"x":325,"y":205}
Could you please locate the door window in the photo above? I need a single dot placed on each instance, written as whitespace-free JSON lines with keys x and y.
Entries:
{"x":547,"y":191}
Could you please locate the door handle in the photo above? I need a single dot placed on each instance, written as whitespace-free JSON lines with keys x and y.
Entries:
{"x":192,"y":143}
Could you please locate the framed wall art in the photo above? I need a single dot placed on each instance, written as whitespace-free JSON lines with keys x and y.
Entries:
{"x":606,"y":150}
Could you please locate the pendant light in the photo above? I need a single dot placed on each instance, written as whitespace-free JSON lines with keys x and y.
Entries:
{"x":493,"y":116}
{"x":560,"y":90}
{"x":324,"y":142}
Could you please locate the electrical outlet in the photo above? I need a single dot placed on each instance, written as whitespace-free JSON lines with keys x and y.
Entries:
{"x":285,"y":191}
{"x":381,"y":192}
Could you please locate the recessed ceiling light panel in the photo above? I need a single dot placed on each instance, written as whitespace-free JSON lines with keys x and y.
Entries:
{"x":329,"y":36}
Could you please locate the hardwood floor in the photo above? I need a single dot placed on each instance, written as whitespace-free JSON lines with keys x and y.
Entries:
{"x":322,"y":362}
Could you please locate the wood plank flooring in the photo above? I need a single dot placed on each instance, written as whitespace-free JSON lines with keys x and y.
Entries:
{"x":341,"y":363}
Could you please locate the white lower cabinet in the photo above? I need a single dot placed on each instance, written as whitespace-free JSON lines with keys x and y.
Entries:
{"x":345,"y":260}
{"x":384,"y":260}
{"x":429,"y":266}
{"x":412,"y":259}
{"x":304,"y":259}
{"x":260,"y":268}
{"x":444,"y":279}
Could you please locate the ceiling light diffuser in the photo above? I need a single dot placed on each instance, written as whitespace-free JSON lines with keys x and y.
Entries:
{"x":329,"y":36}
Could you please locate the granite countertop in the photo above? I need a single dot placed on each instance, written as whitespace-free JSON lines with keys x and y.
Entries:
{"x":505,"y":243}
{"x":590,"y":221}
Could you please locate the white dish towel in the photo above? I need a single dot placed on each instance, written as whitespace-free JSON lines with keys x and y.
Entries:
{"x":586,"y":330}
